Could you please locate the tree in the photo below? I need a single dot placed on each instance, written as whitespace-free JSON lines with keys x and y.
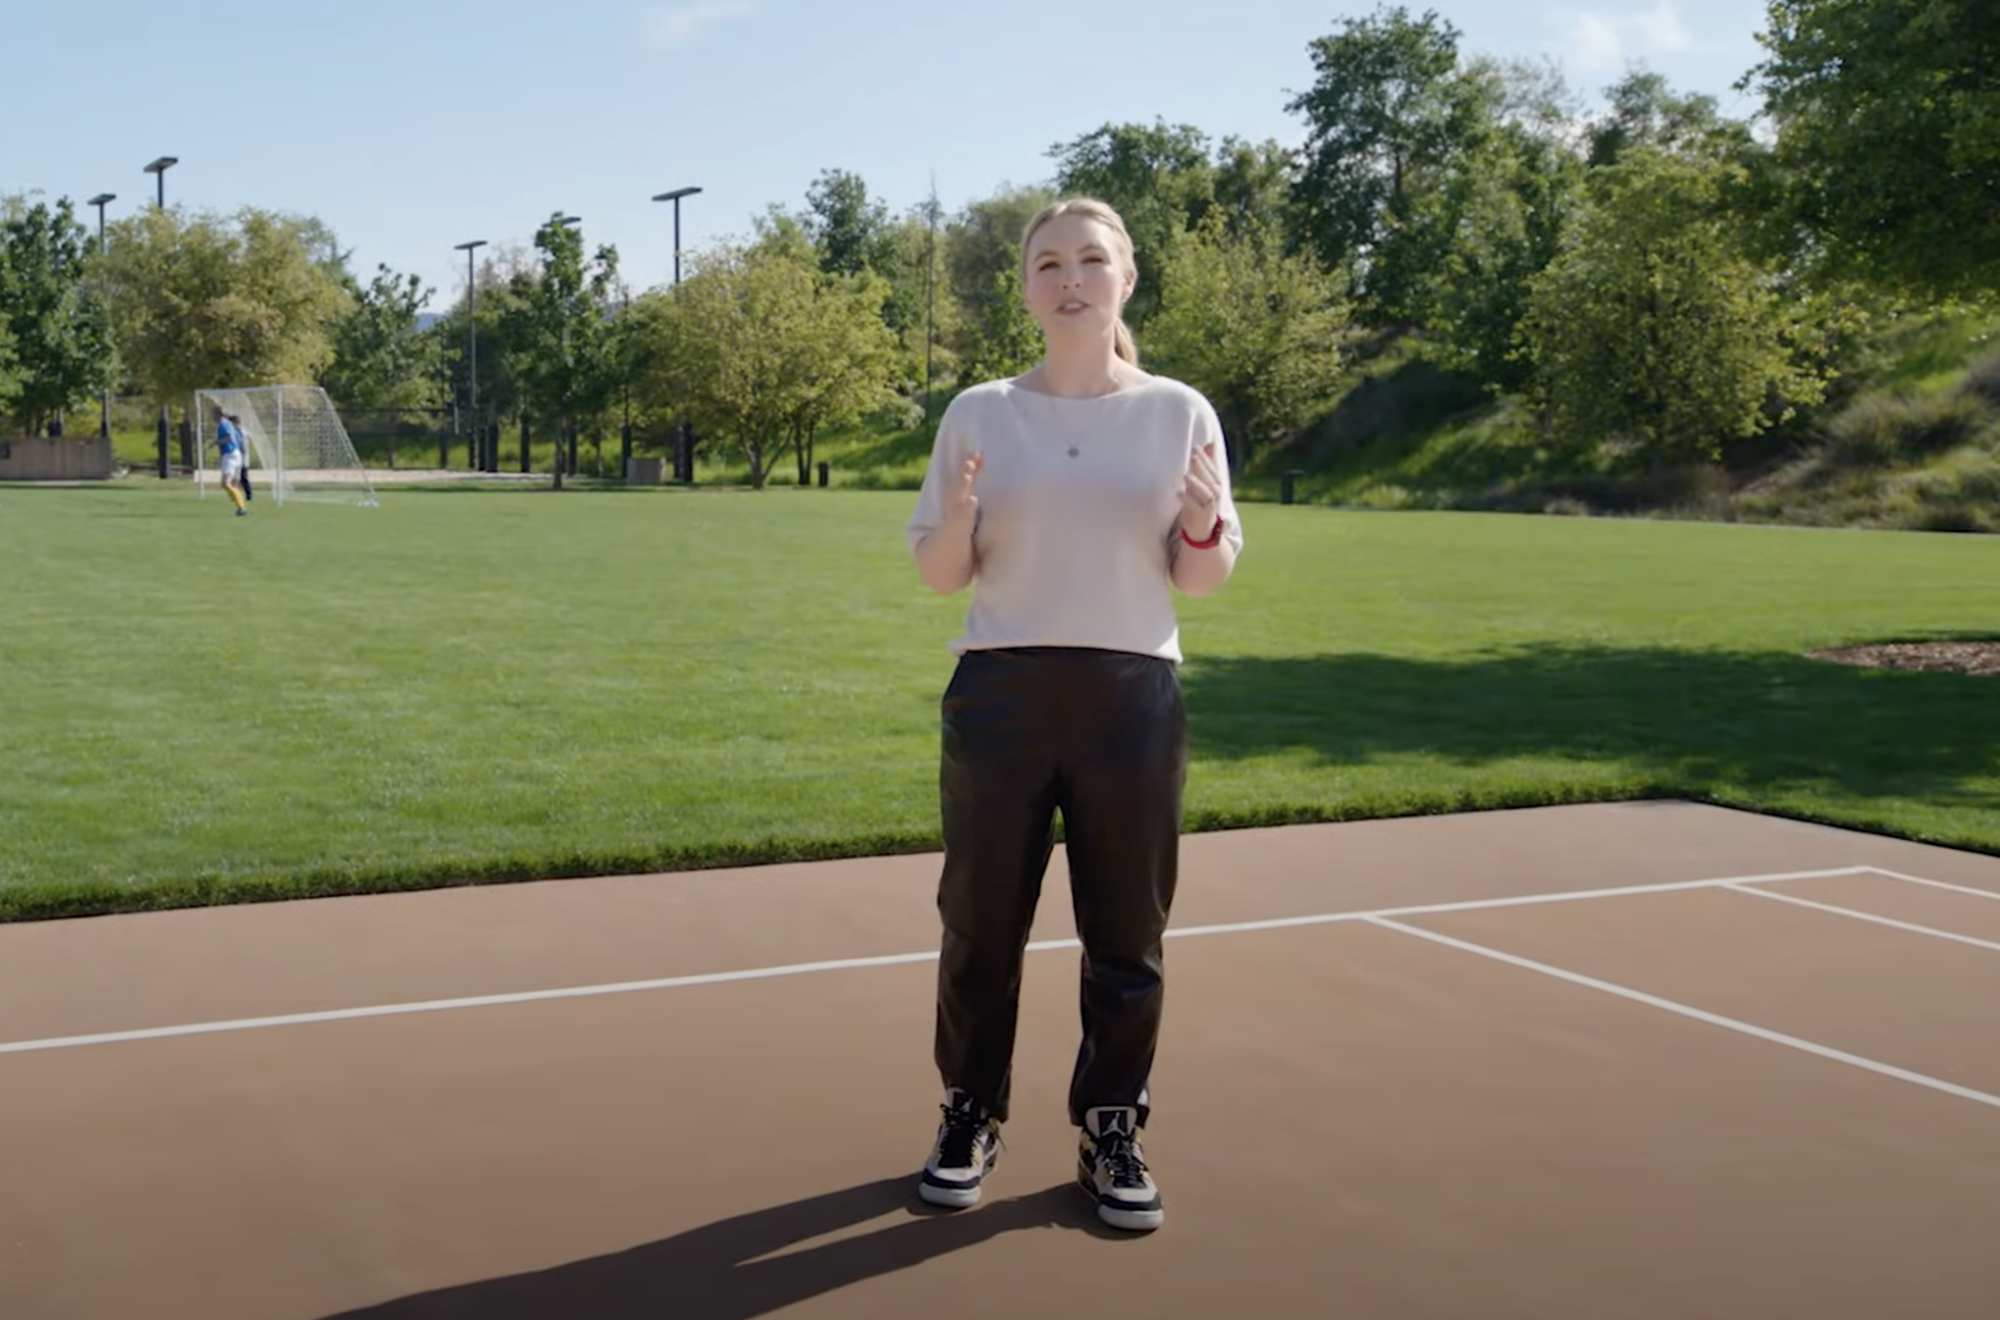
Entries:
{"x":203,"y":301}
{"x":1388,"y":114}
{"x":847,"y":226}
{"x":1258,"y":330}
{"x":1653,"y":328}
{"x":381,"y":358}
{"x":1499,"y":213}
{"x":558,"y":335}
{"x":1888,"y":136}
{"x":762,"y":346}
{"x":1253,"y":186}
{"x":53,"y":324}
{"x":919,"y":308}
{"x":1645,"y":112}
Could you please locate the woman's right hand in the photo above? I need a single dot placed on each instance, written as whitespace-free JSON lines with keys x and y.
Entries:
{"x":963,"y":504}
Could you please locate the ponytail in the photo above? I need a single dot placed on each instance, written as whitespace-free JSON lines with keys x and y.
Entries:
{"x":1127,"y":347}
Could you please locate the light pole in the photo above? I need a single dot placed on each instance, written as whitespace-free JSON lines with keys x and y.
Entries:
{"x":683,"y":460}
{"x":472,"y":336}
{"x":99,"y":201}
{"x":675,"y":197}
{"x":159,"y":170}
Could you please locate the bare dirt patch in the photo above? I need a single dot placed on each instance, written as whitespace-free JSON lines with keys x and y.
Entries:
{"x":1978,"y":658}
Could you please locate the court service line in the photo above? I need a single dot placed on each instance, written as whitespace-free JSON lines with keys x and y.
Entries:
{"x":854,"y":964}
{"x":1931,"y":931}
{"x":1934,"y":884}
{"x":1698,"y":1015}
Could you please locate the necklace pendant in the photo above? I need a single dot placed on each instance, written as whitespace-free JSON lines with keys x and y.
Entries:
{"x":1072,"y":451}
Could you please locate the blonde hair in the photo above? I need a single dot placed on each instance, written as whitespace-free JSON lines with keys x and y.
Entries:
{"x":1102,"y":212}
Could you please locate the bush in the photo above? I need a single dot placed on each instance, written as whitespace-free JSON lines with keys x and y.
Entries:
{"x":1982,"y":380}
{"x":1883,"y":429}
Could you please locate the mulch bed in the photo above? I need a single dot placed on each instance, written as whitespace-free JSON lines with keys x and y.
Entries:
{"x":1978,"y":658}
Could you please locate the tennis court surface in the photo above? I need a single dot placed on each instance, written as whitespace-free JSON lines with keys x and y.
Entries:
{"x":1644,"y":1062}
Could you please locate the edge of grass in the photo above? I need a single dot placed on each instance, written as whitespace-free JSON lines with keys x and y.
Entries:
{"x":57,"y":900}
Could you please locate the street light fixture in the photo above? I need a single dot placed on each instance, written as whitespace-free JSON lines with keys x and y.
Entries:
{"x":675,"y":197}
{"x":472,"y":335}
{"x":159,"y":170}
{"x":683,"y":460}
{"x":99,"y":201}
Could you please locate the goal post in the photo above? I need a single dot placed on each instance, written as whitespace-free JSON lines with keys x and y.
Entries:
{"x":296,"y":447}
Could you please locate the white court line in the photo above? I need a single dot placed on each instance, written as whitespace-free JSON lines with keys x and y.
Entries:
{"x":1934,"y":884}
{"x":851,"y":964}
{"x":1932,"y":931}
{"x":1699,"y":1015}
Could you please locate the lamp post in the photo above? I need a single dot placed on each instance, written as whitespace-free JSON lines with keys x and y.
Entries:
{"x":159,"y":170}
{"x":683,"y":460}
{"x":472,"y":336}
{"x":675,"y":197}
{"x":99,"y":201}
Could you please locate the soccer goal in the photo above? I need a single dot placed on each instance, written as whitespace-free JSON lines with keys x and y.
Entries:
{"x":298,"y":449}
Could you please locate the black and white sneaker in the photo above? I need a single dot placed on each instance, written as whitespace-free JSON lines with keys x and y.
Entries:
{"x":967,"y":1148}
{"x":1111,"y":1169}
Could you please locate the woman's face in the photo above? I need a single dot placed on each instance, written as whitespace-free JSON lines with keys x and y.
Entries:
{"x":1077,"y":278}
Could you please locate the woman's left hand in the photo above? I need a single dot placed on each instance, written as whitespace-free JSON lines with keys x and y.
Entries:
{"x":1201,"y":494}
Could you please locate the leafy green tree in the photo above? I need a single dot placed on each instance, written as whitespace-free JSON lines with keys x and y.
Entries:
{"x":847,"y":226}
{"x":1645,"y":112}
{"x":381,"y":356}
{"x":1653,"y":329}
{"x":558,"y":338}
{"x":1004,"y":339}
{"x":54,"y":331}
{"x":1888,"y":136}
{"x":1253,"y":186}
{"x":763,"y":347}
{"x":10,"y":372}
{"x":920,"y":308}
{"x":206,"y":301}
{"x":1259,"y":330}
{"x":501,"y":278}
{"x":1389,"y":113}
{"x":1499,"y":214}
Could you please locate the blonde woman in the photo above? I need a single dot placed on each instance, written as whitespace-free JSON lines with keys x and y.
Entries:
{"x":1074,"y":500}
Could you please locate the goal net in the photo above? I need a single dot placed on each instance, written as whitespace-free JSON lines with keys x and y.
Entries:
{"x":297,"y":447}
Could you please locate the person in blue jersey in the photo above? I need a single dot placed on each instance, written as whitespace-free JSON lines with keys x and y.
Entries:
{"x":229,"y":443}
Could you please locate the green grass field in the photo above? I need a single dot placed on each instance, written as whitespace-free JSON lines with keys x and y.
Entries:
{"x":463,"y":685}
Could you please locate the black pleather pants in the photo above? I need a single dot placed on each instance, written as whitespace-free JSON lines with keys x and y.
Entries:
{"x":1100,"y":736}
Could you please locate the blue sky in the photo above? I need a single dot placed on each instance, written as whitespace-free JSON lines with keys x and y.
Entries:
{"x":411,"y":126}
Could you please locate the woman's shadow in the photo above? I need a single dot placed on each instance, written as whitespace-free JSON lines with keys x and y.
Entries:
{"x":727,"y":1270}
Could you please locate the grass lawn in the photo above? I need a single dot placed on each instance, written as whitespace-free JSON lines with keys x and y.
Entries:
{"x":464,"y":685}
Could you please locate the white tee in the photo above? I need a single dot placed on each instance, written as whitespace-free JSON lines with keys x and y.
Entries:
{"x":1079,"y":510}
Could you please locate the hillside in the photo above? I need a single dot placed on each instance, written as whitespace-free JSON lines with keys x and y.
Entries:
{"x":1909,"y":437}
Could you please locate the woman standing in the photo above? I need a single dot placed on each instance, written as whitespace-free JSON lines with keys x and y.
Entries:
{"x":1074,"y":500}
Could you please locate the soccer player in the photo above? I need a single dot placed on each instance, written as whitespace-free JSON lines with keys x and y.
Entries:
{"x":229,"y":442}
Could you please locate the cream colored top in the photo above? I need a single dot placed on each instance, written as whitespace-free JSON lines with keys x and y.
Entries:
{"x":1079,"y":506}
